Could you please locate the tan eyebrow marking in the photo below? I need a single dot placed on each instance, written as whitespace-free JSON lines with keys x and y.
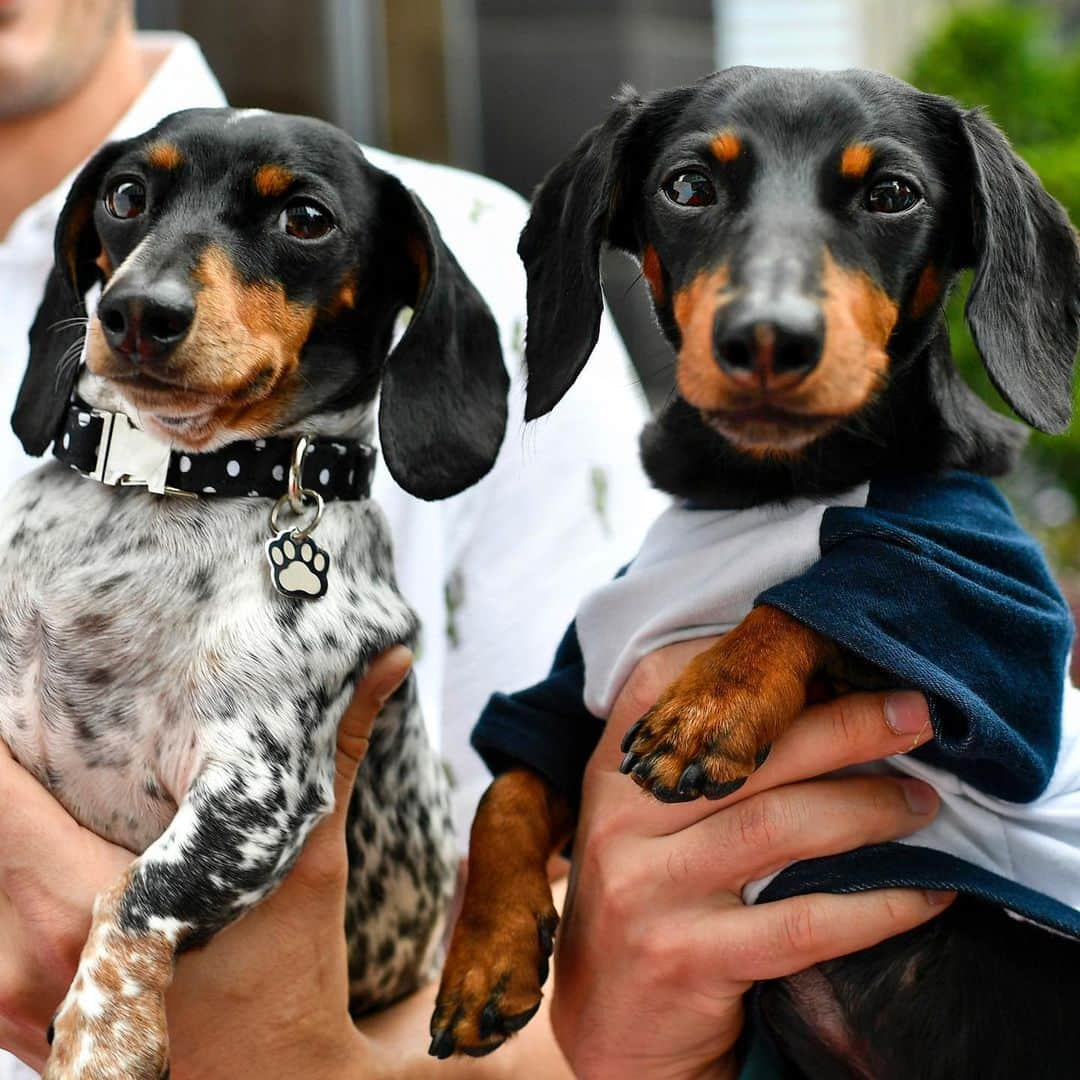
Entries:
{"x":164,"y":155}
{"x":272,"y":180}
{"x":726,"y":146}
{"x":855,"y":161}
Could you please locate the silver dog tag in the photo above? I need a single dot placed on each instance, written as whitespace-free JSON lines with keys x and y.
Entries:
{"x":298,"y":566}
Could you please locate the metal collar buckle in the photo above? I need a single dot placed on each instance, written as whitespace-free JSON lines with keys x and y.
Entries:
{"x":128,"y":457}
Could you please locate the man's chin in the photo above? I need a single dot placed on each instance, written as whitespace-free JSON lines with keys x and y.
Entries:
{"x":10,"y":11}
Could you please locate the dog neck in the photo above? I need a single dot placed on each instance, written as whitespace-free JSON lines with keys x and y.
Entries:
{"x":926,"y":419}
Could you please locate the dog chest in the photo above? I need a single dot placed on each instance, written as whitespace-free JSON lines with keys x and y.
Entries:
{"x":140,"y":637}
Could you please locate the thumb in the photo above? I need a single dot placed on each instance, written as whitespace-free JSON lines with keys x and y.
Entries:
{"x":384,"y":675}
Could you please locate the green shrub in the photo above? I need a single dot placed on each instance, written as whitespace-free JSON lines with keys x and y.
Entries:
{"x":1015,"y":62}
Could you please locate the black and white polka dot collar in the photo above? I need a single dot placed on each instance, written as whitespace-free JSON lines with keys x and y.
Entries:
{"x":109,"y":448}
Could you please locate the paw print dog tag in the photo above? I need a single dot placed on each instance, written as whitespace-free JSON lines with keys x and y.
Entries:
{"x":298,"y":566}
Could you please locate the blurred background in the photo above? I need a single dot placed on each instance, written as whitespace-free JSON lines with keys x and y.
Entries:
{"x":505,"y":87}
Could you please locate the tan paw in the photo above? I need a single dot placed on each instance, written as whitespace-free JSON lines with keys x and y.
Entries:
{"x":490,"y":989}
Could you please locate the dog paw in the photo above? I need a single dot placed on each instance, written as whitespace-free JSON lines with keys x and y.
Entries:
{"x":685,"y":748}
{"x":299,"y":566}
{"x":491,"y":982}
{"x":90,"y":1039}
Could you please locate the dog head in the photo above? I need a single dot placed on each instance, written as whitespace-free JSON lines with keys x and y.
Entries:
{"x":798,"y":231}
{"x":252,"y":269}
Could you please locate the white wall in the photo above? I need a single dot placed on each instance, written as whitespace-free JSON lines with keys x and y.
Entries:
{"x":789,"y":33}
{"x":823,"y":33}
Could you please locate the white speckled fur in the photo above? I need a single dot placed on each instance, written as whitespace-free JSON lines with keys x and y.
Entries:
{"x":153,"y":679}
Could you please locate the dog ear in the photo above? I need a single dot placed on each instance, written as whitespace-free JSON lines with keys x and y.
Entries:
{"x":58,"y":329}
{"x":575,"y":211}
{"x":442,"y":407}
{"x":1024,"y":304}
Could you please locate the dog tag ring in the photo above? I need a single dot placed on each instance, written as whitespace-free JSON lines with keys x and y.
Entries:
{"x":299,"y":568}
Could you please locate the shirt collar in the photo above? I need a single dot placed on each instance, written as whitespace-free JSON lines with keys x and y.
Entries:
{"x":182,"y":79}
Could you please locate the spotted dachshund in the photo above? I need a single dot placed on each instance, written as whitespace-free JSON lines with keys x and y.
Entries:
{"x":798,"y":232}
{"x":175,"y":683}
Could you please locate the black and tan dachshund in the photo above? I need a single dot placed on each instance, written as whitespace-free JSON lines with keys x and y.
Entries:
{"x":799,"y":232}
{"x":174,"y":660}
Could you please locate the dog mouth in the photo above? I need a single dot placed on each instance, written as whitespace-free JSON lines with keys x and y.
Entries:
{"x":765,"y":429}
{"x":184,"y":414}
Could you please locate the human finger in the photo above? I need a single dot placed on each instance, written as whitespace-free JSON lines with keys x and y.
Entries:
{"x":764,"y":833}
{"x":385,"y":674}
{"x":773,"y":940}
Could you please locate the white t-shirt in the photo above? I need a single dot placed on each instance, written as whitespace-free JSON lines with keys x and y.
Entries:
{"x":496,"y":572}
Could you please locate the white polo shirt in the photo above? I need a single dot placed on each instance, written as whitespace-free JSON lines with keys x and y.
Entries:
{"x":496,"y":572}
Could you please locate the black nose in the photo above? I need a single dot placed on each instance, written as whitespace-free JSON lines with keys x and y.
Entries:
{"x":146,"y":324}
{"x":772,"y":349}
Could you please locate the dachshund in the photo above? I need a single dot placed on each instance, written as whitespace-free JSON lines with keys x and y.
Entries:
{"x":799,"y":232}
{"x":189,"y":594}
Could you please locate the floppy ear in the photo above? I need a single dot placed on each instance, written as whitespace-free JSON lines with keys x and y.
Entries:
{"x":574,"y":212}
{"x":58,"y":329}
{"x":1024,"y":304}
{"x":442,"y":407}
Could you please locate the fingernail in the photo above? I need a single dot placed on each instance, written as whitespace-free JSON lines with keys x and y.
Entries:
{"x":386,"y":688}
{"x":388,"y":684}
{"x":906,"y":713}
{"x":939,"y":897}
{"x":921,"y":798}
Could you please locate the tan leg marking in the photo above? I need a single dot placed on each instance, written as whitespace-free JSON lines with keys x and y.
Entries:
{"x":498,"y":957}
{"x":111,"y":1025}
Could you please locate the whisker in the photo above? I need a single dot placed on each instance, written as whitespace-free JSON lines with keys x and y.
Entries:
{"x":74,"y":320}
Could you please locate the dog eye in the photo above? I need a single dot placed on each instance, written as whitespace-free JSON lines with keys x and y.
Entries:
{"x":892,"y":196}
{"x":690,"y":188}
{"x":126,"y":199}
{"x":306,"y":220}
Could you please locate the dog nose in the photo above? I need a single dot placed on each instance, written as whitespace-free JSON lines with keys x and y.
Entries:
{"x":774,"y":350}
{"x":147,"y":324}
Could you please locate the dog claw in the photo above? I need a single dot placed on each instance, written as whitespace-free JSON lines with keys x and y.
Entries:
{"x":628,"y":763}
{"x":762,"y":756}
{"x":512,"y":1024}
{"x":722,"y":791}
{"x":643,"y":769}
{"x":493,"y":1023}
{"x":490,"y":1021}
{"x":482,"y":1051}
{"x":671,"y":795}
{"x":442,"y":1045}
{"x":689,"y":784}
{"x":546,"y":931}
{"x":631,"y":735}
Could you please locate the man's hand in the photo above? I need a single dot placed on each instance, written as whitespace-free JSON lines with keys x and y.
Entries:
{"x":268,"y":997}
{"x":656,"y":948}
